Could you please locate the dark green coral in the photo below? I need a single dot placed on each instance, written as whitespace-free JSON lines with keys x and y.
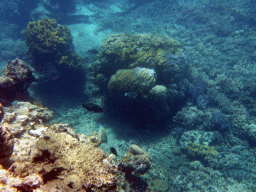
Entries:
{"x":47,"y":37}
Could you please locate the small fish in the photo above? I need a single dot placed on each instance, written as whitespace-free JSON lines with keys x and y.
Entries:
{"x":113,"y":151}
{"x":93,"y":107}
{"x":131,"y":95}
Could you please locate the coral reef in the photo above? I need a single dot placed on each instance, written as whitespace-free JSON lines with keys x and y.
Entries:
{"x":190,"y":117}
{"x":136,"y":150}
{"x":201,"y":151}
{"x":127,"y":51}
{"x":197,"y":138}
{"x":50,"y":50}
{"x":210,"y":180}
{"x":138,"y":80}
{"x":148,"y":71}
{"x":1,"y":112}
{"x":45,"y":36}
{"x":14,"y":83}
{"x":134,"y":164}
{"x":6,"y":144}
{"x":55,"y":158}
{"x":98,"y":138}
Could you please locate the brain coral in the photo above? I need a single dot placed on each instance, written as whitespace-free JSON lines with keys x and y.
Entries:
{"x":138,"y":80}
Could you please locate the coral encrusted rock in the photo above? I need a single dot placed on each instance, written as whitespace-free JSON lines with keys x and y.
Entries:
{"x":138,"y":80}
{"x":51,"y":158}
{"x":128,"y":51}
{"x":135,"y":162}
{"x":14,"y":83}
{"x":1,"y":112}
{"x":6,"y":144}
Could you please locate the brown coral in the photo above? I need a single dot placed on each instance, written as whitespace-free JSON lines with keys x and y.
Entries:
{"x":16,"y":79}
{"x":55,"y":159}
{"x":1,"y":112}
{"x":6,"y":144}
{"x":47,"y":37}
{"x":65,"y":163}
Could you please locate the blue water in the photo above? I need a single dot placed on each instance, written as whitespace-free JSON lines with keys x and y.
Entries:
{"x":202,"y":136}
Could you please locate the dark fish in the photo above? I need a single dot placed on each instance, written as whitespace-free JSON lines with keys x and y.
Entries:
{"x":131,"y":95}
{"x":113,"y":151}
{"x":93,"y":107}
{"x":93,"y":51}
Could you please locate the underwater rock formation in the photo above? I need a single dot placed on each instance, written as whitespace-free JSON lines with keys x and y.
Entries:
{"x":97,"y":138}
{"x":128,"y":51}
{"x":138,"y":80}
{"x":1,"y":112}
{"x":50,"y":50}
{"x":134,"y":164}
{"x":136,"y":161}
{"x":93,"y":107}
{"x":136,"y":150}
{"x":141,"y":73}
{"x":6,"y":140}
{"x":45,"y":36}
{"x":6,"y":144}
{"x":47,"y":158}
{"x":14,"y":83}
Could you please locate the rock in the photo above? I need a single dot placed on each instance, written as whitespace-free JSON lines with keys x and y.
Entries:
{"x":4,"y":176}
{"x":16,"y":130}
{"x":6,"y":144}
{"x":32,"y":181}
{"x":1,"y":112}
{"x":22,"y":119}
{"x":196,"y":137}
{"x":136,"y":162}
{"x":136,"y":150}
{"x":16,"y":79}
{"x":138,"y":80}
{"x":38,"y":132}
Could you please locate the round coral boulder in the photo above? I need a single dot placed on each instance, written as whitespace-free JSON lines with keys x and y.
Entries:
{"x":138,"y":80}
